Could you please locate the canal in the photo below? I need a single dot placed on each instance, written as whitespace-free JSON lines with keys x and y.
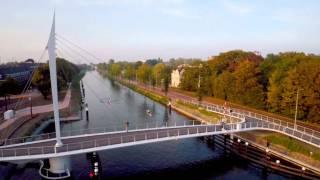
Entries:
{"x":110,"y":105}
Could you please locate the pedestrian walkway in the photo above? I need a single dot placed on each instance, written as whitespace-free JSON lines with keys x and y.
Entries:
{"x":37,"y":110}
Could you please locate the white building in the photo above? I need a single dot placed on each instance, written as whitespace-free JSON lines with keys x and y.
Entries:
{"x":176,"y":75}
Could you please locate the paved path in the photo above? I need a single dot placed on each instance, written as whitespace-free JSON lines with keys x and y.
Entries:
{"x":37,"y":110}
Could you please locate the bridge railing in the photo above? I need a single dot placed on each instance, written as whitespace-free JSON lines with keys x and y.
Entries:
{"x":136,"y":137}
{"x":236,"y":113}
{"x":162,"y":132}
{"x":109,"y":129}
{"x":247,"y":114}
{"x":231,"y":116}
{"x":25,"y":139}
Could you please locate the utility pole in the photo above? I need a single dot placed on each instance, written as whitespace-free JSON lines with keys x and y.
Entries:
{"x":30,"y":100}
{"x":136,"y":77}
{"x":199,"y":84}
{"x":296,"y":112}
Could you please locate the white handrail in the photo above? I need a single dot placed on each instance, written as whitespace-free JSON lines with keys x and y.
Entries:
{"x":262,"y":122}
{"x":133,"y":138}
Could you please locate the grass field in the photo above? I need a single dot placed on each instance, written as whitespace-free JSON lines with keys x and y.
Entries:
{"x":156,"y":97}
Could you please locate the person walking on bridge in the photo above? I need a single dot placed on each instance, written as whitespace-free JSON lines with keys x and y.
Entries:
{"x":127,"y":125}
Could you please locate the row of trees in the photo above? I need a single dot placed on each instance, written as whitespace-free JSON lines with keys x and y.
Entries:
{"x":152,"y":72}
{"x":270,"y":83}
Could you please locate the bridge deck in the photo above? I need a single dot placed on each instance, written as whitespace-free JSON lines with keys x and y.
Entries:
{"x":95,"y":142}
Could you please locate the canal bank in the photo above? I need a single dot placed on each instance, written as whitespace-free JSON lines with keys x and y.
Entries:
{"x":314,"y":166}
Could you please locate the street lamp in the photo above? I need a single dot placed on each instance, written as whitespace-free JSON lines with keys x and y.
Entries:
{"x":199,"y":83}
{"x":296,"y":112}
{"x":30,"y":100}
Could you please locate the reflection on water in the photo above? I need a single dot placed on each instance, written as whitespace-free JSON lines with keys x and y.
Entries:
{"x":187,"y":158}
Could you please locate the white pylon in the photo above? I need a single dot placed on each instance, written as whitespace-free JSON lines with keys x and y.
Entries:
{"x":53,"y":77}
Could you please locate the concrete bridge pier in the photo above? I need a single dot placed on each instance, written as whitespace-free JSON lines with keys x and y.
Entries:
{"x":59,"y":165}
{"x":60,"y":168}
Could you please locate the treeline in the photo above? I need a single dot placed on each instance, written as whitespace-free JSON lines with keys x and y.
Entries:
{"x":152,"y":72}
{"x":270,"y":83}
{"x":66,"y":71}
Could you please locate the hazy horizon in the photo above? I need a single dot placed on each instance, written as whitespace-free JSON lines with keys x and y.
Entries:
{"x":143,"y":29}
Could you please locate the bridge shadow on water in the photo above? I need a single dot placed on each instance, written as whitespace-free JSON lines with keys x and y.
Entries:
{"x":222,"y":163}
{"x":225,"y":164}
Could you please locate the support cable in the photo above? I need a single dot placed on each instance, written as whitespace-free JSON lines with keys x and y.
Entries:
{"x":27,"y":85}
{"x":74,"y":44}
{"x":69,"y":54}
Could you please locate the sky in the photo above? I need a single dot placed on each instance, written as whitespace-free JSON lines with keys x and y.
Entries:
{"x":140,"y":29}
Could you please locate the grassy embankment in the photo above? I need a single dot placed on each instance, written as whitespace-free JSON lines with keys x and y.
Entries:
{"x":156,"y":97}
{"x":293,"y":146}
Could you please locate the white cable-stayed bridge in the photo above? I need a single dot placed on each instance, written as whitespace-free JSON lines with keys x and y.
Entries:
{"x":58,"y":146}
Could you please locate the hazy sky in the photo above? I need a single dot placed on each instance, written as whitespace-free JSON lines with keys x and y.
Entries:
{"x":140,"y":29}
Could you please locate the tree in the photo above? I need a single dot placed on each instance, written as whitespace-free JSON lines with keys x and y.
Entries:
{"x":65,"y":73}
{"x":158,"y":72}
{"x":166,"y":79}
{"x":143,"y":73}
{"x":7,"y":87}
{"x":115,"y":69}
{"x":304,"y":78}
{"x":231,"y":59}
{"x":41,"y":80}
{"x":205,"y":79}
{"x":223,"y":86}
{"x":129,"y":72}
{"x":66,"y":70}
{"x":247,"y":88}
{"x":152,"y":62}
{"x":278,"y":71}
{"x":190,"y":79}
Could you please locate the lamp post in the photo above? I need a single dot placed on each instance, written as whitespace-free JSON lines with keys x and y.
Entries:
{"x":199,"y":83}
{"x":30,"y":100}
{"x":296,"y":112}
{"x":136,"y":78}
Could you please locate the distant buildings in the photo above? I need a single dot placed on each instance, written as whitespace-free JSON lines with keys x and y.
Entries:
{"x":176,"y":75}
{"x":19,"y":71}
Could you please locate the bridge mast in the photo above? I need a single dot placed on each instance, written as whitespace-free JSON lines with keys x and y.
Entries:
{"x":53,"y":76}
